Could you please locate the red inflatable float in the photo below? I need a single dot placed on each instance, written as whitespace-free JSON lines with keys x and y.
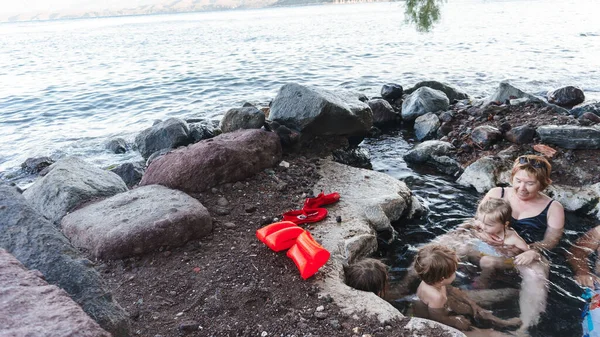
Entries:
{"x":280,"y":235}
{"x":308,"y":255}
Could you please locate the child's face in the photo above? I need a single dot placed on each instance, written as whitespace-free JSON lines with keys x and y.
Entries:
{"x":490,"y":227}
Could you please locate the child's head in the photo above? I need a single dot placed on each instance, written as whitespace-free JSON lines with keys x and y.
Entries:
{"x":492,"y":212}
{"x":367,"y":275}
{"x":436,"y":263}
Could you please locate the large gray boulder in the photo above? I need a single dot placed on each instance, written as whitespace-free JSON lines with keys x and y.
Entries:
{"x":570,"y":136}
{"x":320,"y":112}
{"x":167,"y":134}
{"x":507,"y":92}
{"x":242,"y":118}
{"x":32,"y":307}
{"x":137,"y":222}
{"x":422,"y":101}
{"x":453,"y":94}
{"x":227,"y":158}
{"x":435,"y":153}
{"x":69,"y":183}
{"x":39,"y":244}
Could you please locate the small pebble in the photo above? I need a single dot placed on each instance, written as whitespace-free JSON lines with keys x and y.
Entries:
{"x":179,"y":314}
{"x":230,"y":225}
{"x":320,"y":315}
{"x":338,"y":219}
{"x":320,"y":308}
{"x":264,"y":334}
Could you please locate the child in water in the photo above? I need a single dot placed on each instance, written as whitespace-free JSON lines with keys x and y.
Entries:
{"x":498,"y":243}
{"x":436,"y":266}
{"x":371,"y":275}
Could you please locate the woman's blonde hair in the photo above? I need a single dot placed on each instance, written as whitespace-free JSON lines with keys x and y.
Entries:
{"x":537,"y":166}
{"x":435,"y":263}
{"x":495,"y":210}
{"x":367,"y":275}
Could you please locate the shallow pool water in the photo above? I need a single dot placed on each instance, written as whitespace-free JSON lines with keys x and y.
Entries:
{"x":449,"y":205}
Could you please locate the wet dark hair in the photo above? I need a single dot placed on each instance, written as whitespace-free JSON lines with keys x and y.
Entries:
{"x":435,"y":263}
{"x":367,"y":275}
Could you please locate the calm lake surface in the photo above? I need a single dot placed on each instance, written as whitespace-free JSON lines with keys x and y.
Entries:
{"x":66,"y":87}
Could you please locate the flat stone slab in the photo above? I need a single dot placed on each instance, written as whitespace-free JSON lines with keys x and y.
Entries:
{"x":32,"y":307}
{"x":369,"y":200}
{"x":137,"y":222}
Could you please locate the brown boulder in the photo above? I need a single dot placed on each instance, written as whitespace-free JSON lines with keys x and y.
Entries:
{"x":229,"y":157}
{"x":32,"y":307}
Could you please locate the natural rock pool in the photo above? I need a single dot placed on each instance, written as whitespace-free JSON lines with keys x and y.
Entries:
{"x":449,"y":205}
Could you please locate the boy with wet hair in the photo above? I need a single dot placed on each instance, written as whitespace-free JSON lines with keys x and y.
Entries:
{"x":368,"y":275}
{"x":436,"y":267}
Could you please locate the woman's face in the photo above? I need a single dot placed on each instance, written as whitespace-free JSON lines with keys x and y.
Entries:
{"x":526,"y":185}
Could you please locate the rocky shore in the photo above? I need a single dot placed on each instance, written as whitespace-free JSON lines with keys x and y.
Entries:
{"x":167,"y":247}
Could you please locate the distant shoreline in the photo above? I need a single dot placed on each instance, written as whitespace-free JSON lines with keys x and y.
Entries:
{"x":22,"y":18}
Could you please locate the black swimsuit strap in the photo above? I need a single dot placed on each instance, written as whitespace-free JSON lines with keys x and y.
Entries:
{"x":502,"y":195}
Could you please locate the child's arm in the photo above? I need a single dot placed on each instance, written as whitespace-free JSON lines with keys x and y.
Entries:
{"x":517,"y":241}
{"x":578,"y":257}
{"x":439,"y":313}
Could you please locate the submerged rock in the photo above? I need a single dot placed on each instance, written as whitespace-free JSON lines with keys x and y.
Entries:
{"x":453,"y":94}
{"x":167,"y":134}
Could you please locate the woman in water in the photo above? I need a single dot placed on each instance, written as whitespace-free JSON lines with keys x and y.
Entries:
{"x":540,"y":221}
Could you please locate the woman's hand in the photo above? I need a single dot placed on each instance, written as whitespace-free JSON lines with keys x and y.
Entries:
{"x":527,"y":257}
{"x":587,"y":279}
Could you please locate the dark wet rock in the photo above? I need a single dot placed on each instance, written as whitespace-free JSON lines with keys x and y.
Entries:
{"x":117,"y":145}
{"x":485,"y":135}
{"x":446,"y":116}
{"x":426,"y":126}
{"x":593,"y":118}
{"x":437,"y":154}
{"x":516,"y":96}
{"x":505,"y":127}
{"x":36,"y":165}
{"x":137,"y":222}
{"x":202,"y":130}
{"x":354,"y":156}
{"x":226,"y":158}
{"x":287,"y":136}
{"x":383,"y":113}
{"x":39,"y":244}
{"x":445,"y":129}
{"x":391,"y":91}
{"x":69,"y":183}
{"x":157,"y":155}
{"x":523,"y":134}
{"x":593,"y":107}
{"x":242,"y":118}
{"x":570,"y":136}
{"x":318,"y":111}
{"x":422,"y":101}
{"x":167,"y":134}
{"x":374,"y":132}
{"x":453,"y":94}
{"x":566,"y":96}
{"x":31,"y":307}
{"x":131,"y":173}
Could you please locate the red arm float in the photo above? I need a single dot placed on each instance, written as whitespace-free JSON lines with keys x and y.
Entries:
{"x":262,"y":233}
{"x":283,"y":238}
{"x":308,"y":255}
